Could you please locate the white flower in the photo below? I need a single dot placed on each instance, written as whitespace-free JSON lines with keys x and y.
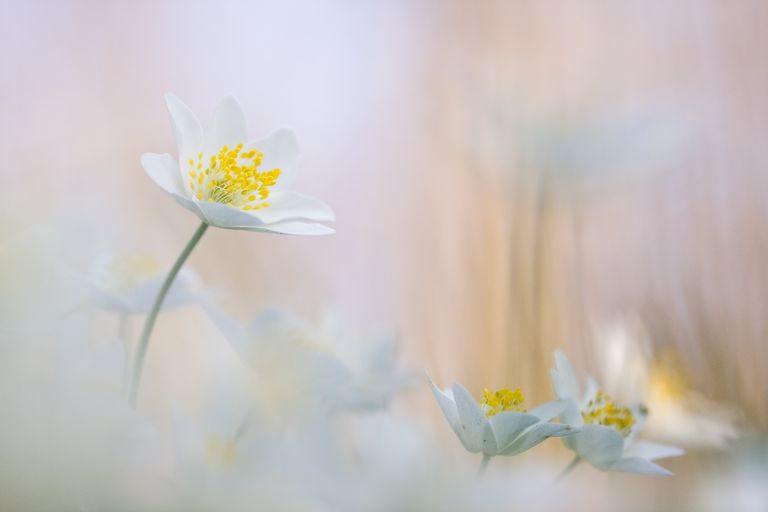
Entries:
{"x":498,"y":425}
{"x":302,"y":370}
{"x":230,"y":183}
{"x":680,"y":414}
{"x":129,"y":283}
{"x":608,"y":430}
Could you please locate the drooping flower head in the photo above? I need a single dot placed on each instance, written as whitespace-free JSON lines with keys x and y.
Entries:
{"x":608,"y":428}
{"x":498,"y":424}
{"x":232,"y":183}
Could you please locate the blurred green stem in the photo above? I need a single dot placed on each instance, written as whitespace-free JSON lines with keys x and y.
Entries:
{"x":568,"y":468}
{"x":141,"y":350}
{"x":483,"y":464}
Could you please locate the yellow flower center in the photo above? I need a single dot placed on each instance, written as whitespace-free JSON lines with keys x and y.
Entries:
{"x":124,"y":272}
{"x":220,"y":453}
{"x":232,"y":177}
{"x":602,"y":410}
{"x":494,"y":402}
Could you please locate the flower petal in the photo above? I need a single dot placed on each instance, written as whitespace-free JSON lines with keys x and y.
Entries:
{"x":294,"y":206}
{"x":228,"y":217}
{"x":232,"y":330}
{"x":448,"y":406}
{"x":507,"y":426}
{"x":535,"y":435}
{"x":564,"y":379}
{"x":639,"y":466}
{"x":293,"y":227}
{"x":549,"y":410}
{"x":478,"y":436}
{"x":164,"y":170}
{"x":186,"y":127}
{"x":281,"y":151}
{"x":652,"y":451}
{"x":227,"y":128}
{"x":598,"y":445}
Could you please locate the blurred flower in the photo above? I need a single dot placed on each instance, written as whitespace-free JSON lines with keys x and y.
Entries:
{"x":37,"y":287}
{"x":306,"y":370}
{"x":608,"y":429}
{"x":498,"y":424}
{"x":396,"y":466}
{"x":678,"y":414}
{"x":129,"y":283}
{"x":69,"y":441}
{"x":232,"y":184}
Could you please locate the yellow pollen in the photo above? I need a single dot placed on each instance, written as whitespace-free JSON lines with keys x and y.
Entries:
{"x":220,"y":453}
{"x":232,"y":177}
{"x":602,"y":410}
{"x":494,"y":402}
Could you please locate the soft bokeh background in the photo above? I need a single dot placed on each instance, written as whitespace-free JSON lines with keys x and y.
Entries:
{"x":508,"y":178}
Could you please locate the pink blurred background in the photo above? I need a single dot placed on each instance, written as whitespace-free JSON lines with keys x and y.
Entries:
{"x":508,"y":177}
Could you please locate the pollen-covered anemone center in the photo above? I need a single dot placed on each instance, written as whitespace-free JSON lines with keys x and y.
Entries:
{"x":602,"y":410}
{"x":231,"y":177}
{"x":494,"y":402}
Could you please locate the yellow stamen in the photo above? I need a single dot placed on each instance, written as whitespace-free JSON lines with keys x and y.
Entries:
{"x":494,"y":402}
{"x":232,"y":177}
{"x":602,"y":410}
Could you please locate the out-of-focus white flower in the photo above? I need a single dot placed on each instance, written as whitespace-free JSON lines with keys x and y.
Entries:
{"x":678,"y":414}
{"x":396,"y":466}
{"x":230,"y":183}
{"x":129,"y":283}
{"x":68,"y":440}
{"x":498,"y":424}
{"x":214,"y":467}
{"x":37,"y":287}
{"x":608,"y":430}
{"x":302,"y":369}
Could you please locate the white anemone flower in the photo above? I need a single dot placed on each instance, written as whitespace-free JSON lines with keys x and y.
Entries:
{"x":498,"y":424}
{"x":608,"y":429}
{"x":128,"y":284}
{"x":304,"y":370}
{"x":231,"y":183}
{"x":681,"y":414}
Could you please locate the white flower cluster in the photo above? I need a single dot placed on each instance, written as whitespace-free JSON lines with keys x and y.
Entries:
{"x":299,"y":421}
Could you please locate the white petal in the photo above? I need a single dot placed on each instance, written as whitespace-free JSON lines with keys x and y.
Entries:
{"x":281,"y":151}
{"x":549,"y":410}
{"x":232,"y":330}
{"x":564,"y":379}
{"x":186,"y":127}
{"x":228,"y":217}
{"x":507,"y":426}
{"x":652,"y":451}
{"x":535,"y":435}
{"x":285,"y":206}
{"x":227,"y":128}
{"x":591,"y":391}
{"x":639,"y":466}
{"x":164,"y":170}
{"x":477,"y":434}
{"x":598,"y":445}
{"x":448,"y":406}
{"x":293,"y":227}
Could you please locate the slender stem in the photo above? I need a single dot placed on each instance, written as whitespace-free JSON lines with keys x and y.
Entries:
{"x":567,"y":469}
{"x":483,"y":464}
{"x":122,"y":332}
{"x":141,"y":350}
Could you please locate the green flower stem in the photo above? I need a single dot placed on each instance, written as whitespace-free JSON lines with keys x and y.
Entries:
{"x":483,"y":464}
{"x":568,"y":468}
{"x":122,"y":331}
{"x":141,"y":350}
